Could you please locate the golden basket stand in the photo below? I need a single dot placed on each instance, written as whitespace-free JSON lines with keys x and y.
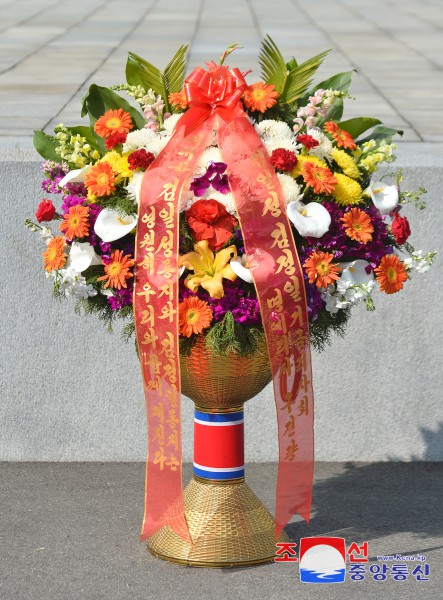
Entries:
{"x":228,"y":524}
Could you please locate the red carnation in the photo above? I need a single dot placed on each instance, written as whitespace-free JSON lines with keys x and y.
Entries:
{"x":283,"y":160}
{"x":45,"y":211}
{"x":308,"y":141}
{"x":400,"y":228}
{"x":209,"y":220}
{"x":115,"y":139}
{"x":140,"y":159}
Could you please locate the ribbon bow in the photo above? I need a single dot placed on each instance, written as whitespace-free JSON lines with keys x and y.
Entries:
{"x":213,"y":92}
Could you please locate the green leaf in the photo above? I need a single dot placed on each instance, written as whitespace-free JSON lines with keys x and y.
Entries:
{"x":45,"y":146}
{"x":340,"y":82}
{"x":141,"y":72}
{"x":381,"y":133}
{"x":100,"y":99}
{"x":359,"y":125}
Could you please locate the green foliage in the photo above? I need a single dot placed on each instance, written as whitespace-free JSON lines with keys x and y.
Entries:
{"x":123,"y":205}
{"x":228,"y":336}
{"x":186,"y":240}
{"x":46,"y":146}
{"x":327,"y":323}
{"x":414,"y":197}
{"x":381,"y":133}
{"x":358,"y":125}
{"x":290,"y":79}
{"x":141,"y":72}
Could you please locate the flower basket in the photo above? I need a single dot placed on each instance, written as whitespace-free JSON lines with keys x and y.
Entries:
{"x":233,"y":226}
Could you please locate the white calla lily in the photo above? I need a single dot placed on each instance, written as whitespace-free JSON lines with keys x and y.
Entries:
{"x":82,"y":256}
{"x":385,"y":197}
{"x":310,"y":220}
{"x":110,"y":226}
{"x":238,"y":265}
{"x":355,"y":272}
{"x":75,"y":176}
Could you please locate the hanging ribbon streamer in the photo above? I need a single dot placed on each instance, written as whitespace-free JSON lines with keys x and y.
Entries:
{"x":213,"y":97}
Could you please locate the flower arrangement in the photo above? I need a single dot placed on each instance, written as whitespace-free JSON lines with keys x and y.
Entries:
{"x":346,"y":219}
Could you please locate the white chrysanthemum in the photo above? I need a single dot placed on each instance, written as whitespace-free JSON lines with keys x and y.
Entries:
{"x":291,"y":190}
{"x":211,"y":154}
{"x":170,"y":123}
{"x":274,"y":144}
{"x":324,"y":149}
{"x":274,"y":129}
{"x":140,"y":138}
{"x":134,"y":186}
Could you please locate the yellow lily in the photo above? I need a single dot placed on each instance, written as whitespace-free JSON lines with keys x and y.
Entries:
{"x":209,"y":269}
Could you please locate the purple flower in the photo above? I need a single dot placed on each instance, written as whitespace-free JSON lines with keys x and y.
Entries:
{"x":76,"y":189}
{"x":215,"y":168}
{"x":200,"y":185}
{"x":69,"y":201}
{"x":220,"y":183}
{"x":105,"y":247}
{"x":121,"y":297}
{"x":247,"y":312}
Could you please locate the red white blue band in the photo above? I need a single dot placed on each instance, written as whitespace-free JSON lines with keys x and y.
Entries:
{"x":219,"y":445}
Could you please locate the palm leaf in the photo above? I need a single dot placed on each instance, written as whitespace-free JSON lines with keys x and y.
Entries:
{"x":175,"y":71}
{"x":273,"y":67}
{"x":290,"y":79}
{"x":300,"y":78}
{"x":141,"y":72}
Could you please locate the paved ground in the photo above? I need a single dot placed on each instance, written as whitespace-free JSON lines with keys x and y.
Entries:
{"x":51,"y":50}
{"x":70,"y":532}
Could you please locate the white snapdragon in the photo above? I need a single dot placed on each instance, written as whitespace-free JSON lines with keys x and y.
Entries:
{"x":420,"y":263}
{"x":73,"y":284}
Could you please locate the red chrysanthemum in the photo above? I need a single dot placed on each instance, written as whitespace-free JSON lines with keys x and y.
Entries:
{"x":283,"y":160}
{"x":308,"y":141}
{"x":140,"y":159}
{"x":115,"y":139}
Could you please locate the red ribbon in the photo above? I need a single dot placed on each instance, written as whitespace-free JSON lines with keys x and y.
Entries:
{"x":214,"y":97}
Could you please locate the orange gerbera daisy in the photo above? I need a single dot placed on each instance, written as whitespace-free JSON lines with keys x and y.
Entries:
{"x":358,"y":225}
{"x":100,"y":180}
{"x":320,"y":269}
{"x":75,"y":222}
{"x":178,"y":99}
{"x":260,"y":96}
{"x":113,"y":121}
{"x":117,"y":271}
{"x":54,"y":257}
{"x":391,"y":274}
{"x":319,"y":178}
{"x":194,"y":316}
{"x":342,"y":137}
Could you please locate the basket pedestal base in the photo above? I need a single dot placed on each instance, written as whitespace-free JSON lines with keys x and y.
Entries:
{"x":228,"y":524}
